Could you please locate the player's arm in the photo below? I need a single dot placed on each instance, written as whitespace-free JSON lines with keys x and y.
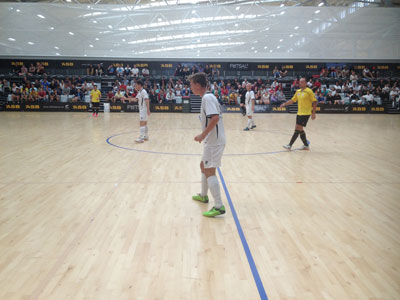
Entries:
{"x":148,"y":106}
{"x":293,"y":100}
{"x":253,"y":103}
{"x":314,"y":108}
{"x":211,"y":124}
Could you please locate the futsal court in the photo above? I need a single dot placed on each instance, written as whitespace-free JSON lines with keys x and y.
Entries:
{"x":88,"y":214}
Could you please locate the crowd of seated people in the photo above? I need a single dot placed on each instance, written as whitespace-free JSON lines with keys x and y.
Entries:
{"x":43,"y":90}
{"x":350,"y":87}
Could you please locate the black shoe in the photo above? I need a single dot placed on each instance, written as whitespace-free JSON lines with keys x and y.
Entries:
{"x":252,"y":127}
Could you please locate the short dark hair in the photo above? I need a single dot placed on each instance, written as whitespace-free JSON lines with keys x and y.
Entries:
{"x":139,"y":82}
{"x":199,"y":78}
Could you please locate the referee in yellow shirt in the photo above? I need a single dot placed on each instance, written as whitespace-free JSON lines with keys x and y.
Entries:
{"x":95,"y":95}
{"x":307,"y":104}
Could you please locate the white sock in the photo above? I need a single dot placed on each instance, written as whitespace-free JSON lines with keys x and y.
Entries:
{"x":142,"y":131}
{"x":248,"y":123}
{"x":252,"y":122}
{"x":204,"y":185}
{"x":215,"y":191}
{"x":146,"y":131}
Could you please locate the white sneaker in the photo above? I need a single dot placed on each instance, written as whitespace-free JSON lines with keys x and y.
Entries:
{"x":139,"y":140}
{"x":304,"y":147}
{"x":288,"y":147}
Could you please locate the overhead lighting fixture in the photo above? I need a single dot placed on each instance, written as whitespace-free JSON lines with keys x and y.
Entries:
{"x":124,"y":40}
{"x":17,"y":10}
{"x":71,"y":33}
{"x":55,"y":47}
{"x":91,"y":46}
{"x":219,"y":53}
{"x":252,"y":48}
{"x":31,"y":43}
{"x":270,"y":50}
{"x":69,"y":0}
{"x":236,"y":25}
{"x":267,"y":28}
{"x":159,"y":19}
{"x":57,"y":53}
{"x":84,"y":55}
{"x":51,"y":28}
{"x":109,"y":26}
{"x":193,"y":11}
{"x":317,"y":11}
{"x":40,"y":16}
{"x":94,"y":21}
{"x":282,"y":13}
{"x":309,"y":21}
{"x":278,"y":47}
{"x":297,"y":27}
{"x":255,"y":51}
{"x":265,"y":47}
{"x":282,"y":5}
{"x":97,"y":39}
{"x":322,"y":3}
{"x":11,"y":39}
{"x":237,"y":7}
{"x":291,"y":35}
{"x":281,"y":40}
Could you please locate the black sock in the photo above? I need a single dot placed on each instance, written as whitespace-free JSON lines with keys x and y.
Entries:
{"x":303,"y":138}
{"x":294,"y":137}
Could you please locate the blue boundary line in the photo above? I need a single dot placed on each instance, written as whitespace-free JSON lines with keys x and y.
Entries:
{"x":256,"y":276}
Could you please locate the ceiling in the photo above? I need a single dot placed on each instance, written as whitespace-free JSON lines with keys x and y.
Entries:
{"x":197,"y":29}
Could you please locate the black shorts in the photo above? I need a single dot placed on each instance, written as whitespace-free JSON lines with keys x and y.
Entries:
{"x":95,"y":104}
{"x":302,"y":120}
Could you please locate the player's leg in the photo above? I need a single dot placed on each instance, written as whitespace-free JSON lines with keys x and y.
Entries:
{"x":295,"y":135}
{"x":142,"y":124}
{"x":146,"y":131}
{"x":202,"y":197}
{"x":212,"y":162}
{"x":303,"y":133}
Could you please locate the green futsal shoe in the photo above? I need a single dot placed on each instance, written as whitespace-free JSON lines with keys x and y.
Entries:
{"x":213,"y":212}
{"x":198,"y":197}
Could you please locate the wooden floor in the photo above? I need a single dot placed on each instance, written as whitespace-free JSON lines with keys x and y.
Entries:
{"x":82,"y":219}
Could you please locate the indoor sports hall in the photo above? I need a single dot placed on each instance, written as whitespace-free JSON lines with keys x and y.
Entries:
{"x":90,"y":211}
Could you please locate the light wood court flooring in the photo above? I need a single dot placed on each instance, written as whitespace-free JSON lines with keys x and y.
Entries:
{"x":82,"y":219}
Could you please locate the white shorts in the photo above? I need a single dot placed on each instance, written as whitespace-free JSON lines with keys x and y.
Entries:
{"x":249,"y":111}
{"x":212,"y":156}
{"x":143,"y":115}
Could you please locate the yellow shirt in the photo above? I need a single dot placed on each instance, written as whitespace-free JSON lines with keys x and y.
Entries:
{"x":95,"y":94}
{"x":305,"y":98}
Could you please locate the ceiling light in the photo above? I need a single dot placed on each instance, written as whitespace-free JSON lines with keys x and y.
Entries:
{"x":267,"y":28}
{"x":57,"y":53}
{"x":97,"y":39}
{"x":236,"y":25}
{"x":55,"y":47}
{"x":84,"y":55}
{"x":252,"y":48}
{"x":71,"y":33}
{"x":322,"y":3}
{"x":278,"y":47}
{"x":91,"y":46}
{"x":282,"y":5}
{"x":265,"y":47}
{"x":237,"y":7}
{"x":297,"y":27}
{"x":51,"y":28}
{"x":198,"y":41}
{"x":123,"y":40}
{"x":309,"y":21}
{"x":11,"y":39}
{"x":159,"y":19}
{"x":193,"y":11}
{"x":291,"y":35}
{"x":270,"y":50}
{"x":219,"y":53}
{"x":94,"y":21}
{"x":281,"y":40}
{"x":255,"y":51}
{"x":282,"y":13}
{"x":17,"y":10}
{"x":317,"y":11}
{"x":69,"y":0}
{"x":30,"y":43}
{"x":40,"y":16}
{"x":109,"y":26}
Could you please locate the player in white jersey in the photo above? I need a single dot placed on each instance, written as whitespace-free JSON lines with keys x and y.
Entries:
{"x":144,"y":112}
{"x":250,"y":100}
{"x":213,"y":136}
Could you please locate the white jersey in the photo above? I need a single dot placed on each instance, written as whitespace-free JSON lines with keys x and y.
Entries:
{"x":142,"y":96}
{"x":249,"y":96}
{"x":209,"y":107}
